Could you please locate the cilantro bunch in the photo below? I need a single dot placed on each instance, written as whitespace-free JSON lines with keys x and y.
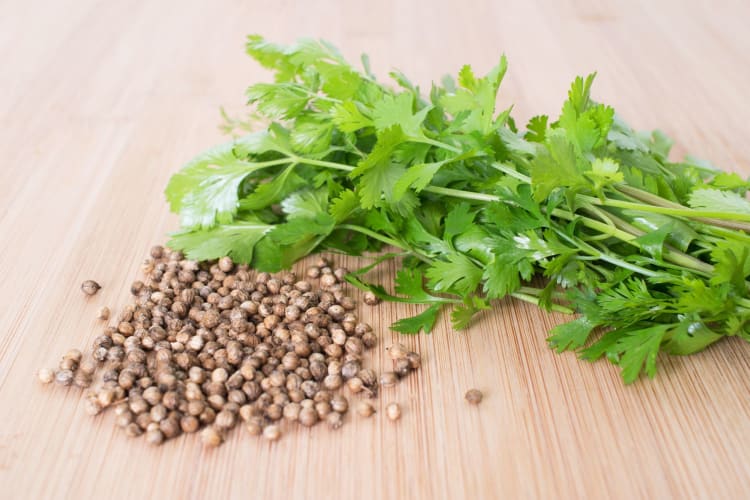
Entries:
{"x":576,"y":214}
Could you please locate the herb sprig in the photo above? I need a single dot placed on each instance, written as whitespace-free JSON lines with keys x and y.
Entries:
{"x":653,"y":254}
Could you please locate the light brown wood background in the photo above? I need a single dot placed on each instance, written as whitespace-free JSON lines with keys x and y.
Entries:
{"x":101,"y":101}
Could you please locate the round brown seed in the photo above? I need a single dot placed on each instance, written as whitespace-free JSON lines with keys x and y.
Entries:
{"x":473,"y":396}
{"x":90,"y":287}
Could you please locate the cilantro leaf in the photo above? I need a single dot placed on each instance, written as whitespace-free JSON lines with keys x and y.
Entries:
{"x":397,"y":111}
{"x":422,"y":321}
{"x":571,"y":335}
{"x":205,"y":190}
{"x":236,"y":240}
{"x":457,"y":274}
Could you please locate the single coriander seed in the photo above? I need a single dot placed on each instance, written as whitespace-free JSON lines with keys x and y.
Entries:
{"x":365,"y":408}
{"x":393,"y":411}
{"x":90,"y":287}
{"x":64,"y":377}
{"x":474,"y":396}
{"x":397,"y":351}
{"x":103,"y":313}
{"x":388,"y":379}
{"x":45,"y":375}
{"x":212,"y":436}
{"x":371,"y":299}
{"x":334,"y":420}
{"x":154,"y":437}
{"x":272,"y":432}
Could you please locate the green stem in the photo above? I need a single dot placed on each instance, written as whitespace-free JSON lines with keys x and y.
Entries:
{"x":722,"y":219}
{"x":535,"y":300}
{"x":679,"y":212}
{"x":323,"y":163}
{"x":458,"y":193}
{"x":387,"y":240}
{"x":510,"y":171}
{"x":436,"y":143}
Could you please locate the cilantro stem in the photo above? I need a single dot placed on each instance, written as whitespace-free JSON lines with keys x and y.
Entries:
{"x":535,"y":300}
{"x":323,"y":163}
{"x":508,"y":170}
{"x":433,"y":142}
{"x":387,"y":240}
{"x":458,"y":193}
{"x":657,"y":204}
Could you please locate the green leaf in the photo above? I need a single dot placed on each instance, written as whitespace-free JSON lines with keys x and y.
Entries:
{"x":717,"y":200}
{"x":347,"y":117}
{"x":344,"y":206}
{"x":236,"y":240}
{"x":382,"y":152}
{"x":689,"y":337}
{"x":536,"y":129}
{"x":397,"y":111}
{"x":417,"y":177}
{"x":730,"y":180}
{"x":205,"y":190}
{"x":278,"y":101}
{"x":273,"y":191}
{"x":306,"y":204}
{"x":653,"y":242}
{"x":639,"y":349}
{"x":302,"y":228}
{"x":422,"y":321}
{"x":555,"y":166}
{"x":462,"y":314}
{"x":458,"y":220}
{"x":571,"y":335}
{"x":474,"y":102}
{"x":457,"y":274}
{"x":311,"y":135}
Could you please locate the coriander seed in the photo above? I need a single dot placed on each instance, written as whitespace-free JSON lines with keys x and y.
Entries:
{"x":103,"y":313}
{"x":474,"y":396}
{"x":388,"y":379}
{"x":402,"y":367}
{"x":308,"y":417}
{"x":393,"y":411}
{"x":90,"y":287}
{"x":371,"y":299}
{"x":339,"y":404}
{"x":64,"y":377}
{"x":397,"y":351}
{"x":365,"y":408}
{"x":45,"y":375}
{"x":212,"y":436}
{"x":254,"y":426}
{"x":272,"y":432}
{"x":154,"y":437}
{"x":415,"y":360}
{"x":334,"y":420}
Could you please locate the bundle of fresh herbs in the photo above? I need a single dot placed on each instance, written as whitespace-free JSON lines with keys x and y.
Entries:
{"x":652,"y":254}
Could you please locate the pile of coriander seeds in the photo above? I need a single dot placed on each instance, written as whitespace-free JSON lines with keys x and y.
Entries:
{"x":205,"y":346}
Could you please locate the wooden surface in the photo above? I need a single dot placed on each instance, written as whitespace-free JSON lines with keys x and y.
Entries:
{"x":101,"y":101}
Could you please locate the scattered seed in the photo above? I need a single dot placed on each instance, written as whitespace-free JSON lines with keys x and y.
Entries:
{"x":474,"y":396}
{"x":272,"y":432}
{"x":365,"y":408}
{"x":211,"y":436}
{"x":203,"y":345}
{"x":371,"y":299}
{"x":45,"y":375}
{"x":90,"y":287}
{"x":388,"y":379}
{"x":393,"y":411}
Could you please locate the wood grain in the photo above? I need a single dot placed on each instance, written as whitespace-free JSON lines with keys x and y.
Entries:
{"x":101,"y":101}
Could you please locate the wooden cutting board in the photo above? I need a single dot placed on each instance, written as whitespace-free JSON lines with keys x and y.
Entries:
{"x":101,"y":101}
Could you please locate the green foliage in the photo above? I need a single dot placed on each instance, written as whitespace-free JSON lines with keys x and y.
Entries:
{"x":653,"y":254}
